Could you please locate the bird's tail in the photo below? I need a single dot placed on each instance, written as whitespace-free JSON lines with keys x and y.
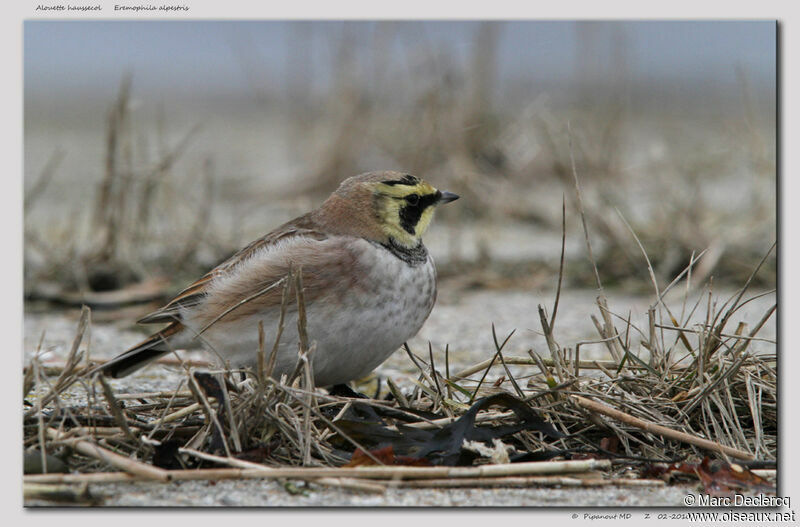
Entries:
{"x":140,"y":355}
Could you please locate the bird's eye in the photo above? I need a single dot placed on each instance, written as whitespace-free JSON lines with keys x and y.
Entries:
{"x":413,"y":199}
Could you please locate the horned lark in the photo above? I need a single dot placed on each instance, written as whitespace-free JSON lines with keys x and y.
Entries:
{"x":369,"y":284}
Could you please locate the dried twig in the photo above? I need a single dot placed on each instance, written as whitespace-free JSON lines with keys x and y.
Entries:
{"x":660,"y":430}
{"x":116,"y":409}
{"x":121,"y":462}
{"x":348,"y":483}
{"x":383,"y":472}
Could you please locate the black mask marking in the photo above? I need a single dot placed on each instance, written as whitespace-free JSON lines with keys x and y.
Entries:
{"x":410,"y":214}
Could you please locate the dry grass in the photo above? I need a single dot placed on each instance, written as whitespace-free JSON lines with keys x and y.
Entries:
{"x":108,"y":247}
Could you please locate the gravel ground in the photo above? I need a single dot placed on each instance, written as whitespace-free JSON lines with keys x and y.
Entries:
{"x":258,"y":493}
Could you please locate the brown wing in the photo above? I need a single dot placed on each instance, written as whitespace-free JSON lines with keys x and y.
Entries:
{"x":330,"y":268}
{"x":196,"y":292}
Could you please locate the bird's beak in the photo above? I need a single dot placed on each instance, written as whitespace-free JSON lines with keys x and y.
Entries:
{"x":447,"y":197}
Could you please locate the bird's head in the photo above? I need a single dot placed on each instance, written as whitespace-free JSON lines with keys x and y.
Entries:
{"x":399,"y":206}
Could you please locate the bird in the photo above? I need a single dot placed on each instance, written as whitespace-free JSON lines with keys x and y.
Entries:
{"x":368,"y":282}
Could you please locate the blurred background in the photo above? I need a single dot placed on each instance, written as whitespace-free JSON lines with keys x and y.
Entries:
{"x":158,"y":148}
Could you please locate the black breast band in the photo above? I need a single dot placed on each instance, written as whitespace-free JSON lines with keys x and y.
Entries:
{"x":414,"y":256}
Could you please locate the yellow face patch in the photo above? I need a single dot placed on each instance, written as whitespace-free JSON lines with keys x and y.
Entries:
{"x":405,"y":209}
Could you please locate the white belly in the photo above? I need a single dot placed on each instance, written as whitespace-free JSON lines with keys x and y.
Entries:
{"x":353,"y":335}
